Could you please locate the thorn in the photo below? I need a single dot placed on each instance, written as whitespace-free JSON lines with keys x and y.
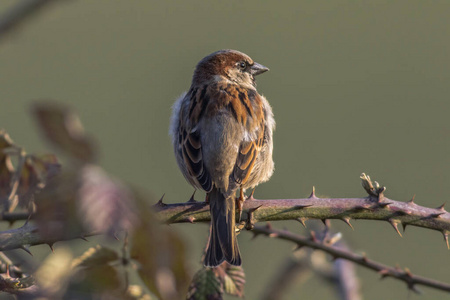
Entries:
{"x":251,"y":195}
{"x":413,"y":288}
{"x":26,"y":250}
{"x":160,"y":202}
{"x":300,"y":206}
{"x":324,"y":221}
{"x":404,"y":226}
{"x":347,"y":221}
{"x":437,"y":215}
{"x":313,"y":193}
{"x":394,"y":224}
{"x":190,"y":219}
{"x":384,"y":273}
{"x":408,"y":272}
{"x":255,"y":209}
{"x":411,"y":202}
{"x":115,"y":236}
{"x":255,"y":235}
{"x":51,"y":247}
{"x":364,"y":257}
{"x":191,"y":200}
{"x":302,"y":221}
{"x":298,"y":247}
{"x":403,"y":213}
{"x":384,"y":204}
{"x":83,"y":238}
{"x":442,"y":207}
{"x":334,"y":258}
{"x":445,"y":233}
{"x":268,"y":226}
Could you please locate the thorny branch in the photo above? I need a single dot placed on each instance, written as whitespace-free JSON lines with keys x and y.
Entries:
{"x":339,"y":253}
{"x":373,"y":207}
{"x":28,"y":235}
{"x":368,"y":208}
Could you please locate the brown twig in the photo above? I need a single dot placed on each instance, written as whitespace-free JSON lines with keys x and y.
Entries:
{"x":396,"y":213}
{"x":369,"y":208}
{"x":12,"y":217}
{"x":338,"y":253}
{"x":18,"y":13}
{"x":28,"y":234}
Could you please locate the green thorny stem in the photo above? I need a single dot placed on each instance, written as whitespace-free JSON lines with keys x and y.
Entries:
{"x":374,"y":207}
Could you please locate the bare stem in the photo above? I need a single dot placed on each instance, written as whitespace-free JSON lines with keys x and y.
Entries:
{"x":18,"y":13}
{"x":370,"y":208}
{"x":385,"y":271}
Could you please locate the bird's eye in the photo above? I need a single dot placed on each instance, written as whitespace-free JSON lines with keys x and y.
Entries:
{"x":243,"y":65}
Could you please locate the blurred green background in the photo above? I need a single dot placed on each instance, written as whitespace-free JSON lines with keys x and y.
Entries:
{"x":356,"y":86}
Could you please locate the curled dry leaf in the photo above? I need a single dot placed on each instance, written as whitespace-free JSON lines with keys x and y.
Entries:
{"x":105,"y":204}
{"x":29,"y":175}
{"x":36,"y":172}
{"x":63,"y":128}
{"x":56,"y":208}
{"x":6,"y":167}
{"x":15,"y":285}
{"x":85,"y":200}
{"x":232,"y":279}
{"x":160,"y":254}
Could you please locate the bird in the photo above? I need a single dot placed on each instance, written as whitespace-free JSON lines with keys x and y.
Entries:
{"x":221,"y":131}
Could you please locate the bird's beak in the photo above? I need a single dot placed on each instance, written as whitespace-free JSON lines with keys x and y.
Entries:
{"x":257,"y":69}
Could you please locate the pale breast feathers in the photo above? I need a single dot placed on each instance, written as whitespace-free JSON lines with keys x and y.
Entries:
{"x":245,"y":105}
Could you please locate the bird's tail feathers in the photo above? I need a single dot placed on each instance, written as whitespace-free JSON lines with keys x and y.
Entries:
{"x":222,"y":244}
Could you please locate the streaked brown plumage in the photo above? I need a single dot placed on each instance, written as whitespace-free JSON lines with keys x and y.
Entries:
{"x":222,"y":135}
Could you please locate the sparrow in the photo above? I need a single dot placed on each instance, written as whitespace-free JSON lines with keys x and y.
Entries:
{"x":222,"y":138}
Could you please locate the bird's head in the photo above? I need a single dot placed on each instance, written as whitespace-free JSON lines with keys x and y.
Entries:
{"x":228,"y":65}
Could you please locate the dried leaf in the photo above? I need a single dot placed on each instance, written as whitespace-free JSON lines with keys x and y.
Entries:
{"x":36,"y":172}
{"x":15,"y":285}
{"x":63,"y":128}
{"x":56,"y":208}
{"x":205,"y":286}
{"x":105,"y":204}
{"x":84,"y":200}
{"x":30,"y":174}
{"x":54,"y":273}
{"x":95,"y":256}
{"x":6,"y":167}
{"x":99,"y":282}
{"x":160,"y":253}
